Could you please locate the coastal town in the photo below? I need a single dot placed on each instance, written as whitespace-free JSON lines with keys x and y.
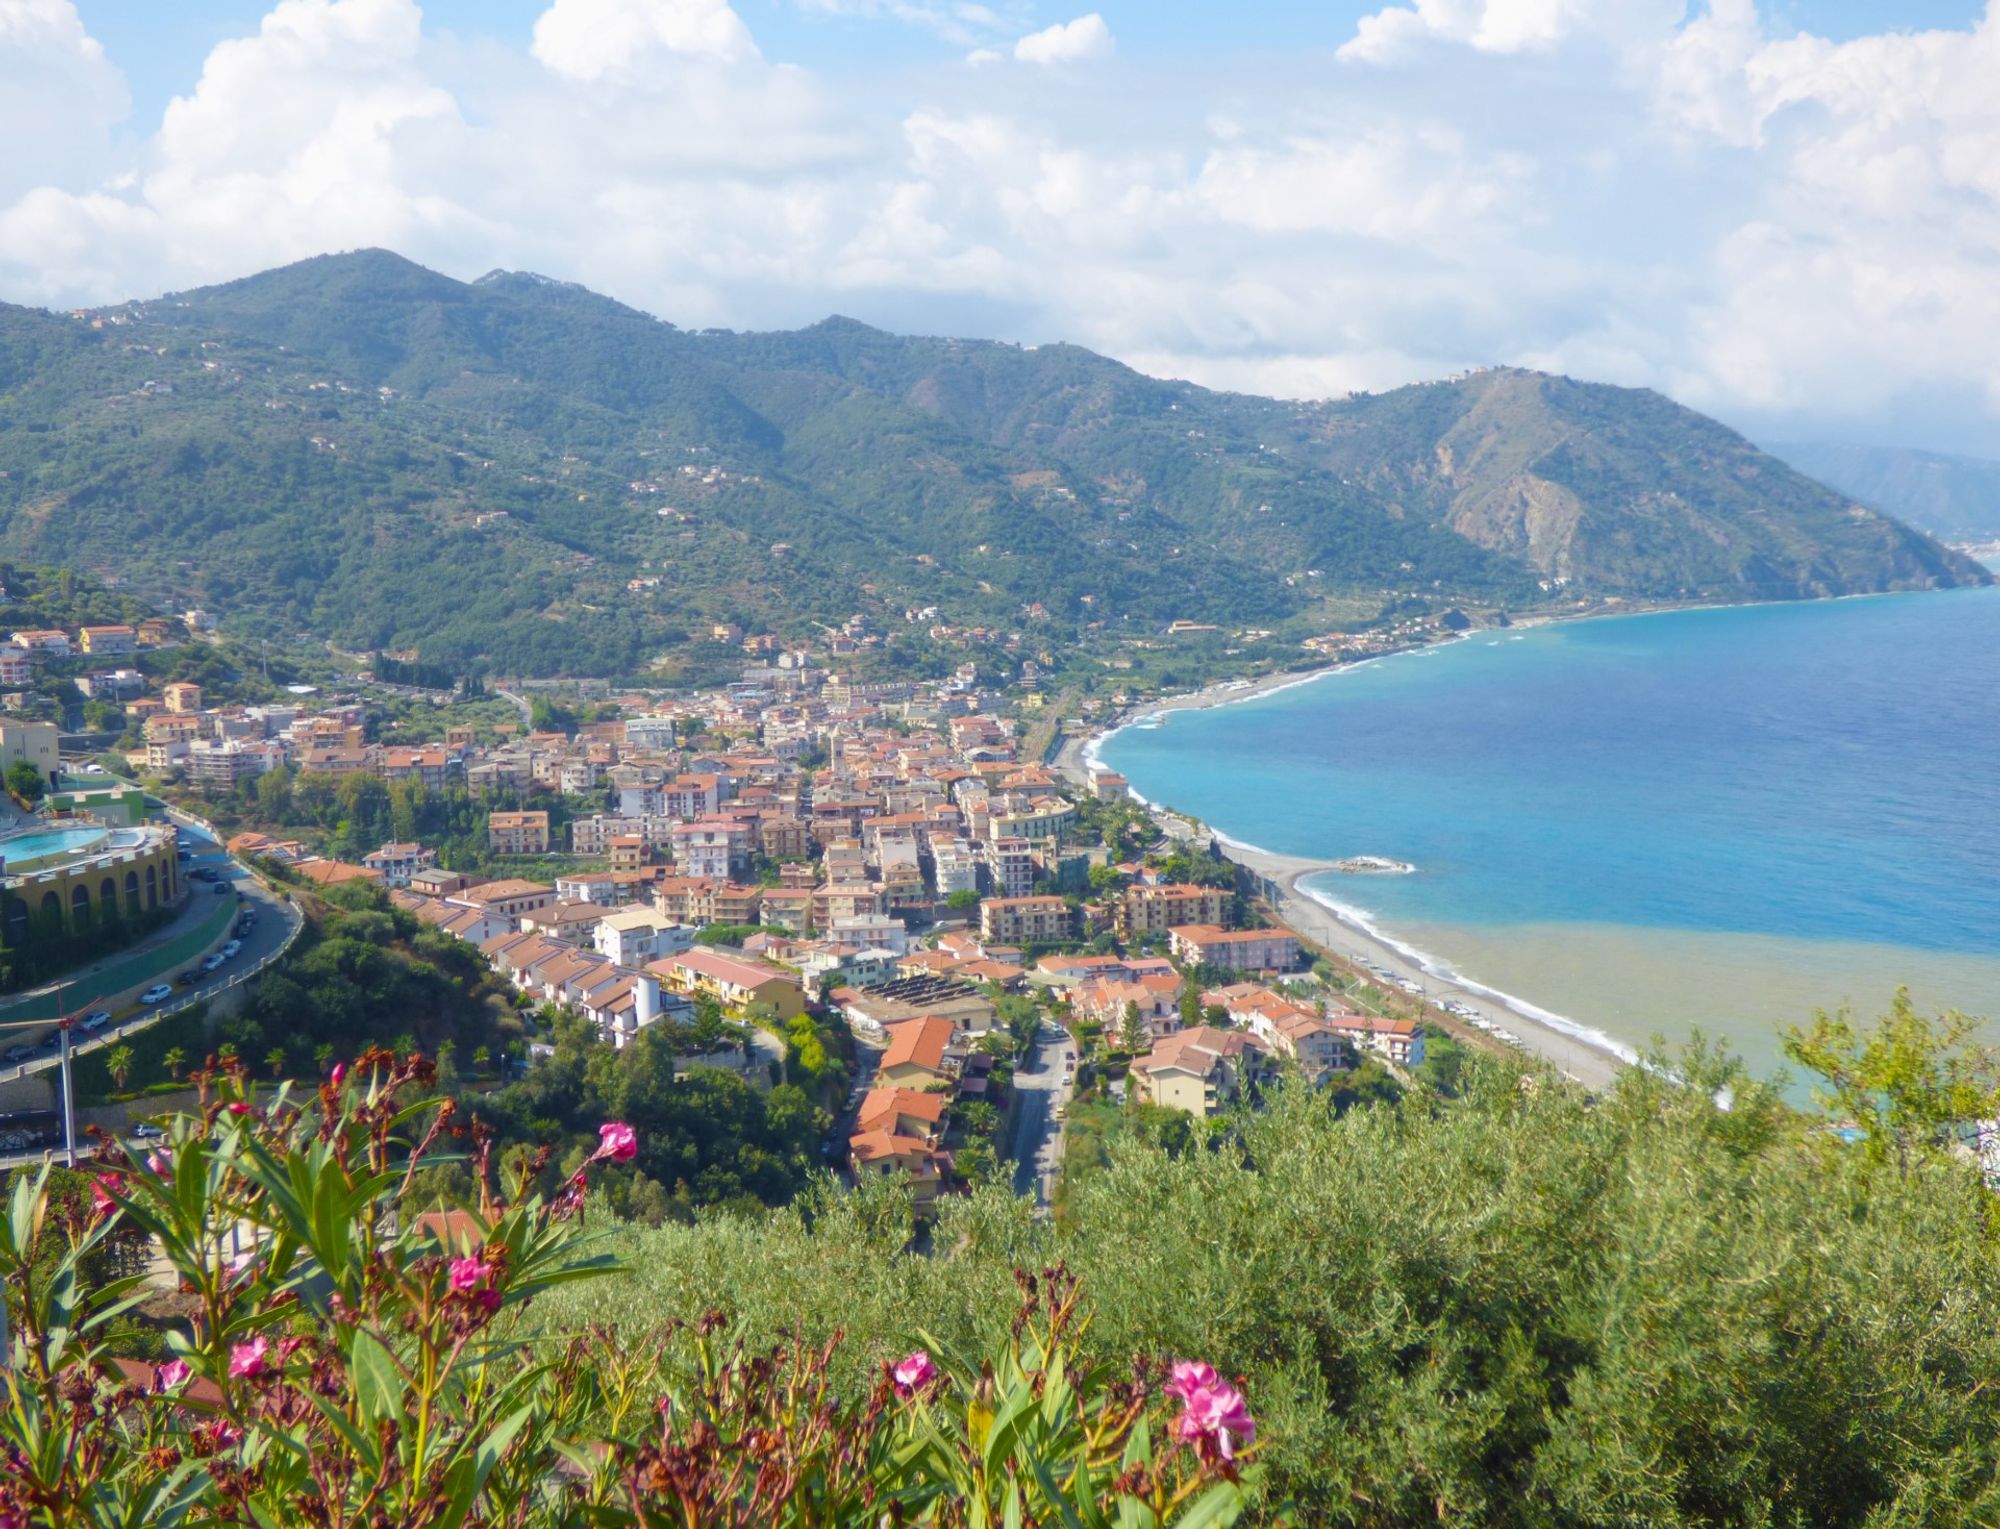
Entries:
{"x":981,"y":909}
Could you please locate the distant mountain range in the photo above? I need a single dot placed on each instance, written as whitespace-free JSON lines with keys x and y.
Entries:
{"x":519,"y":473}
{"x":1952,"y":497}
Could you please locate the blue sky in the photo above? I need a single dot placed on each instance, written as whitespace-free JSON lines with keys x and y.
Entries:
{"x":1784,"y":212}
{"x":161,"y":43}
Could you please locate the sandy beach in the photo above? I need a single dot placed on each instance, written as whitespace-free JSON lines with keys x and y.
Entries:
{"x":1591,"y":1065}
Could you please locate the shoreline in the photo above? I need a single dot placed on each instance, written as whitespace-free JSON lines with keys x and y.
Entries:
{"x":1578,"y":1051}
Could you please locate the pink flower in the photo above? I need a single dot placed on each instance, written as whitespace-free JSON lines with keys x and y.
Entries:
{"x":914,"y":1373}
{"x":171,"y":1374}
{"x":616,"y":1141}
{"x":1217,"y":1419}
{"x":246,"y":1360}
{"x":161,"y":1162}
{"x":339,"y":1074}
{"x":101,"y":1190}
{"x":469,"y":1273}
{"x":241,"y":1265}
{"x":239,"y":1108}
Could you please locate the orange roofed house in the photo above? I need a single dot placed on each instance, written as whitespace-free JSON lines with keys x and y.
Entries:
{"x":735,"y":982}
{"x":1199,"y":1070}
{"x":919,"y":1053}
{"x":518,"y":833}
{"x":1240,"y":950}
{"x":883,"y":1154}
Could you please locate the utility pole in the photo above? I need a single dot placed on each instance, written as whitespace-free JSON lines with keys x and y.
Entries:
{"x":68,"y":1094}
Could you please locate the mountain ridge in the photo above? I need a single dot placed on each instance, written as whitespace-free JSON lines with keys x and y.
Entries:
{"x":491,"y":472}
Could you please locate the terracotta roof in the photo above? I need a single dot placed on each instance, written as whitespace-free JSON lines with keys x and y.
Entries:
{"x":883,"y":1106}
{"x":872,"y":1146}
{"x":921,"y":1042}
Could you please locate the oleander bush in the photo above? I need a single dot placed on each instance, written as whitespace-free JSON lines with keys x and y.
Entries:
{"x":336,"y":1356}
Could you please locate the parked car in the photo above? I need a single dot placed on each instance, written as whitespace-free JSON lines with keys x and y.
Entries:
{"x":14,"y":1055}
{"x":159,"y":992}
{"x":223,"y":889}
{"x":213,"y":962}
{"x":188,"y":978}
{"x":145,"y":1130}
{"x":203,"y":873}
{"x":229,"y":950}
{"x":96,"y":1020}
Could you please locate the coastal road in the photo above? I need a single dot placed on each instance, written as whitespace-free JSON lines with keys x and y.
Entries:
{"x":276,"y":923}
{"x":1042,"y":1085}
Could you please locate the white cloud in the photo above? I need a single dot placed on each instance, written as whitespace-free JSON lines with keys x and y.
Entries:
{"x":1071,"y":42}
{"x":593,"y":40}
{"x":60,"y":97}
{"x":1396,"y":33}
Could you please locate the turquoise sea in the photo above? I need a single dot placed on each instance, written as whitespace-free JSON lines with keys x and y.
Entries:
{"x":1717,"y":819}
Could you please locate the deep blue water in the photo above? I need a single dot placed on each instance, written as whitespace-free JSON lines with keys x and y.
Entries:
{"x":1826,"y":771}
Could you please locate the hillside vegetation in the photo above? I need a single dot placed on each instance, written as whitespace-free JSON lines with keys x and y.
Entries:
{"x":1523,"y":1307}
{"x":361,"y":449}
{"x":1950,"y":496}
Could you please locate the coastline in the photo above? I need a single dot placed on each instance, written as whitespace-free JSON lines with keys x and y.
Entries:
{"x":1587,"y":1056}
{"x":1578,"y":1049}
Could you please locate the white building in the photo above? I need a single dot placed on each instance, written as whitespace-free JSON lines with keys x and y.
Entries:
{"x":649,"y":734}
{"x":1011,"y":863}
{"x":954,"y":868}
{"x":862,"y":931}
{"x":634,"y":936}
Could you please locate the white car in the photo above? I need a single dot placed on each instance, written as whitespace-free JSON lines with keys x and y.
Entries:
{"x":96,"y":1020}
{"x":159,"y":992}
{"x":229,"y":951}
{"x":212,"y":962}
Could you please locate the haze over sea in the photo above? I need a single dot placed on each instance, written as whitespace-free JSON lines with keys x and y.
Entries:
{"x":1715,"y":819}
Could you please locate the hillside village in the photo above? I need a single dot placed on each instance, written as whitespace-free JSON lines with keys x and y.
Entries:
{"x":888,"y":852}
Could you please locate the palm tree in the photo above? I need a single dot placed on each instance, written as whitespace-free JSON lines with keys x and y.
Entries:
{"x":175,"y":1059}
{"x":323,"y":1057}
{"x":274,"y":1059}
{"x":119,"y":1063}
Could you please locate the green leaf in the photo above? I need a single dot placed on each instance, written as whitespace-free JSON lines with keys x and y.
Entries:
{"x":378,"y":1383}
{"x":1221,"y":1505}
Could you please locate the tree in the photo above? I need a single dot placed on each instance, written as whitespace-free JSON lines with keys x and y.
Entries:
{"x":962,"y":902}
{"x":118,"y":1062}
{"x":25,"y":781}
{"x":1905,"y":1082}
{"x":1191,"y":1002}
{"x":1133,"y":1033}
{"x":323,"y":1055}
{"x":274,"y":795}
{"x":275,"y":1060}
{"x":176,"y":1059}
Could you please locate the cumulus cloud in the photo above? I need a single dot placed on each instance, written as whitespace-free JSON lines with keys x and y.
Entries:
{"x":60,"y":97}
{"x":1501,"y":26}
{"x":593,"y":40}
{"x":1070,"y":42}
{"x":1771,"y":225}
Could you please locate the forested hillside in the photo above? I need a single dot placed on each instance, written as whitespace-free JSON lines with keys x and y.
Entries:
{"x":1950,"y":496}
{"x":519,"y":474}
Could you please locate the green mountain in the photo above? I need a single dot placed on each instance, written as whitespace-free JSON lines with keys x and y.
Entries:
{"x":519,"y":473}
{"x":1949,"y":496}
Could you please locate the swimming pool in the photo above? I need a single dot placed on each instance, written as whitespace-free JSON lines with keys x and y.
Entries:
{"x":45,"y":845}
